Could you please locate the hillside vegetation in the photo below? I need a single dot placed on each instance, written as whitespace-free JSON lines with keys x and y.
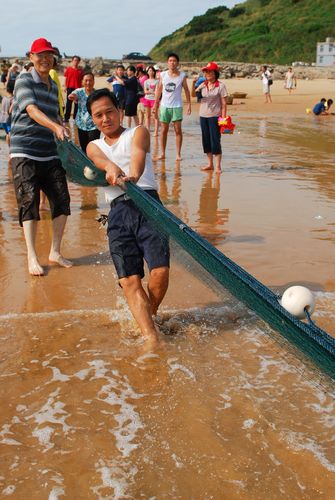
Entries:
{"x":274,"y":31}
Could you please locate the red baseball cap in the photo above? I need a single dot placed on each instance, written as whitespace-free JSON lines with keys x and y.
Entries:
{"x":41,"y":45}
{"x":211,"y":66}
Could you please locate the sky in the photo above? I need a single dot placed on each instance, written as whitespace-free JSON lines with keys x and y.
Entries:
{"x":105,"y":28}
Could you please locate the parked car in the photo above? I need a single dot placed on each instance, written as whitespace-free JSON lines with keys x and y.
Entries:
{"x":136,"y":56}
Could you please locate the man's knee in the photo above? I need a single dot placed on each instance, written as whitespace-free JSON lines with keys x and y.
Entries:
{"x":159,"y":274}
{"x":177,"y":128}
{"x":130,"y":283}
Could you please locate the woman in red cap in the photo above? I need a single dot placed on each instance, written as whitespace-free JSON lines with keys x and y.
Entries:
{"x":213,"y":105}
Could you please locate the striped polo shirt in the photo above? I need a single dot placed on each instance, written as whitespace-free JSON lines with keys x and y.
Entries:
{"x":28,"y":138}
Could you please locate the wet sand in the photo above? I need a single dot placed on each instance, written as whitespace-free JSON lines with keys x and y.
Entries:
{"x":226,"y":409}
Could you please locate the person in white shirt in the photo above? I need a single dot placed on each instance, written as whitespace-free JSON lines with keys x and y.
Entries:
{"x":170,"y":86}
{"x":124,"y":154}
{"x":266,"y":81}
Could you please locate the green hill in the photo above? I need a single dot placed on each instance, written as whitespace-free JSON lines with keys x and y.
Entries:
{"x":274,"y":31}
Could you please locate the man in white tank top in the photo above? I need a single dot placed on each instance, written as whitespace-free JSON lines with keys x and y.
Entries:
{"x":124,"y":154}
{"x":171,"y":84}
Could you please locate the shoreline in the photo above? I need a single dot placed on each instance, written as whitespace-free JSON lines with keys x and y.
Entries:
{"x":305,"y":96}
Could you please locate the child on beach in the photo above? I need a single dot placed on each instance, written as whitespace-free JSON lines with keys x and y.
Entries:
{"x":6,"y":104}
{"x":320,"y":107}
{"x":329,"y":103}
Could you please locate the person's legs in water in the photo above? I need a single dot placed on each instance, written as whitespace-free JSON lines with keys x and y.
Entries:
{"x":157,"y":287}
{"x":140,"y":306}
{"x":163,"y":139}
{"x":179,"y":138}
{"x":58,"y":226}
{"x":29,"y":230}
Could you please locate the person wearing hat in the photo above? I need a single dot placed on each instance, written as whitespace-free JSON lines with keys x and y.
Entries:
{"x":35,"y":162}
{"x":213,"y":104}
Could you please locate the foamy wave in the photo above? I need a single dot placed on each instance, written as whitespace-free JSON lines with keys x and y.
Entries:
{"x":117,"y":392}
{"x":52,"y":412}
{"x":299,"y":442}
{"x":56,"y":492}
{"x":9,"y":490}
{"x":175,"y":366}
{"x":118,"y":477}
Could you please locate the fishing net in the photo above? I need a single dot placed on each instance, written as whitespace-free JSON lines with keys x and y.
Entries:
{"x":308,"y":337}
{"x":79,"y":169}
{"x":314,"y":342}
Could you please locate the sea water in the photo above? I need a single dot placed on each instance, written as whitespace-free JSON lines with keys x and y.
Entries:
{"x":225,"y":408}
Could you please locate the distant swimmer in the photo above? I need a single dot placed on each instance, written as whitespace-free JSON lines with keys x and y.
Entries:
{"x":124,"y":154}
{"x":35,"y":162}
{"x":170,"y":86}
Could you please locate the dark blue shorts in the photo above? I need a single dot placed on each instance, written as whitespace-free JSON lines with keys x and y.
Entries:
{"x":132,"y":239}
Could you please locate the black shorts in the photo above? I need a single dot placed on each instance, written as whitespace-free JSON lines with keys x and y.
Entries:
{"x":131,"y":107}
{"x":121,"y":102}
{"x":31,"y":176}
{"x":132,"y":239}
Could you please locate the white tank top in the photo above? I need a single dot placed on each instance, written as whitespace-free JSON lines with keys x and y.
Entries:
{"x":172,"y":88}
{"x":120,"y":154}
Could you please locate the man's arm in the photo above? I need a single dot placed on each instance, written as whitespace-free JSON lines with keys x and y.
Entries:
{"x":140,"y":147}
{"x":188,"y":96}
{"x":100,"y":160}
{"x":39,"y":117}
{"x":158,"y":93}
{"x":73,"y":96}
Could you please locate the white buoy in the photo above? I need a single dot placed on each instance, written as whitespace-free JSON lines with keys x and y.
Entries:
{"x":296,"y":298}
{"x":89,"y":174}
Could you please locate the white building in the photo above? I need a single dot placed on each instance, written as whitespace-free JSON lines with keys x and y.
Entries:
{"x":325,"y":53}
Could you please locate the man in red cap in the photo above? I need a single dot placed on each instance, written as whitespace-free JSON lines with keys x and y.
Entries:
{"x":35,"y":162}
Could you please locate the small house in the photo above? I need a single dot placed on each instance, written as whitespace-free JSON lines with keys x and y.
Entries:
{"x":325,"y":53}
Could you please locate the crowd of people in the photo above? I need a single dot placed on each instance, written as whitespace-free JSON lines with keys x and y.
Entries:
{"x":34,"y":113}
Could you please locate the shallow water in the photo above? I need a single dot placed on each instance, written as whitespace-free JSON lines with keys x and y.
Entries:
{"x":225,"y":409}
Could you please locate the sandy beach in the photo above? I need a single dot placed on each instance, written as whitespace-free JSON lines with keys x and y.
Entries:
{"x":226,"y":409}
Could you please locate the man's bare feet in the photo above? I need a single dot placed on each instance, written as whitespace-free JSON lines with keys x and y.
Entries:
{"x":178,"y":158}
{"x":59,"y":259}
{"x":218,"y":171}
{"x":35,"y":269}
{"x":160,"y":157}
{"x":44,"y":206}
{"x":207,"y":168}
{"x":151,"y":343}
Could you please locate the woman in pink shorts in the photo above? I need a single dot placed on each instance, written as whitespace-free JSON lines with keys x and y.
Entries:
{"x":141,"y":76}
{"x":149,"y":97}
